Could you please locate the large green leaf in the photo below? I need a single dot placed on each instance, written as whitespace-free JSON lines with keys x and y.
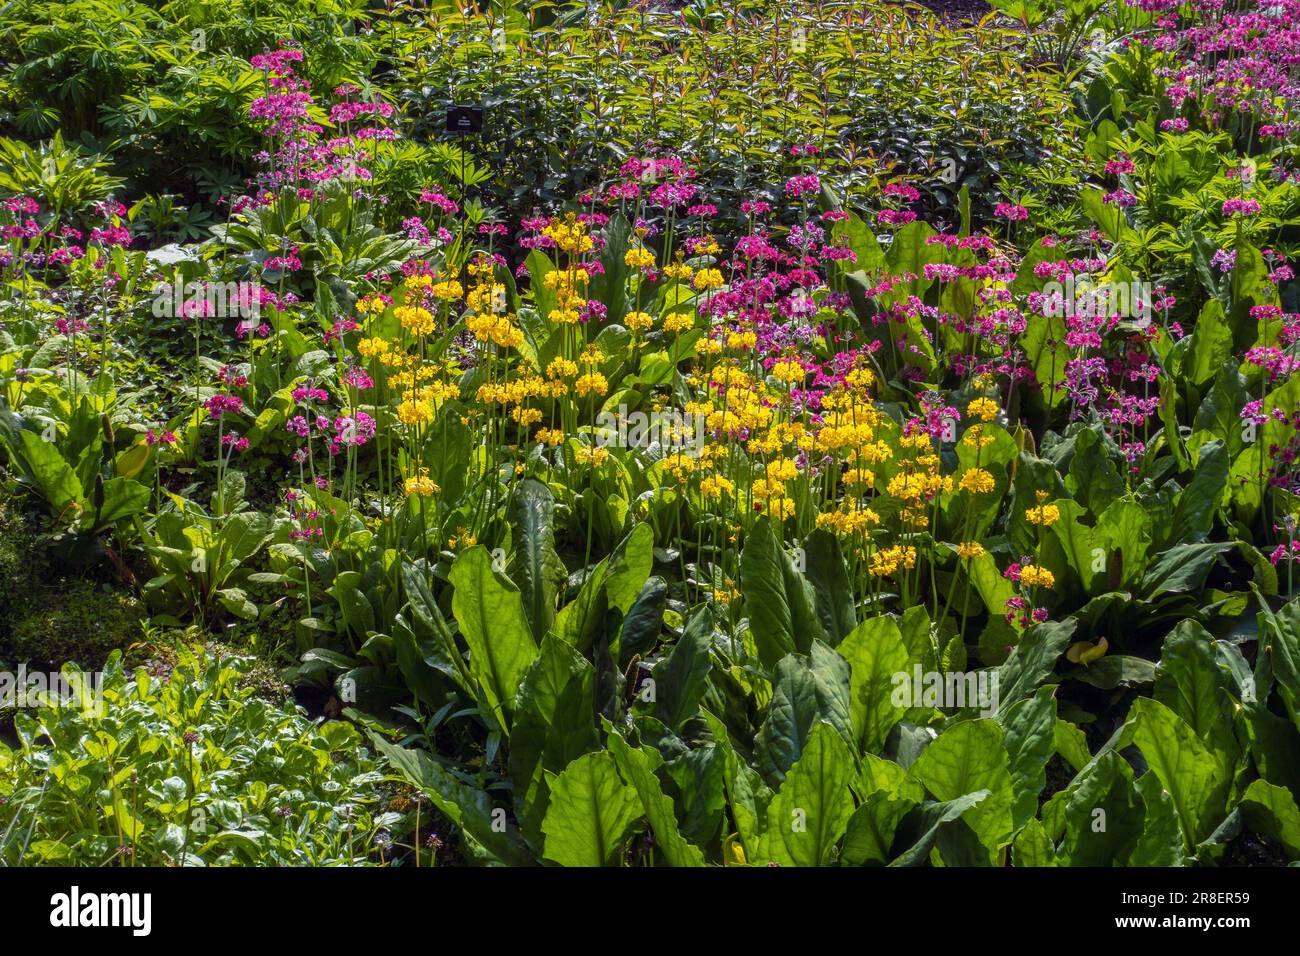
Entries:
{"x":1030,"y":727}
{"x":554,"y":725}
{"x":829,"y":577}
{"x":637,"y":765}
{"x":682,"y":677}
{"x":807,"y":690}
{"x":536,"y":567}
{"x":592,"y":812}
{"x":463,"y":805}
{"x":965,"y":759}
{"x":926,"y":825}
{"x":1190,"y":682}
{"x":492,"y":621}
{"x":781,"y":605}
{"x":1190,"y":773}
{"x":876,"y":654}
{"x":808,"y":815}
{"x":1272,"y":811}
{"x":1033,"y":659}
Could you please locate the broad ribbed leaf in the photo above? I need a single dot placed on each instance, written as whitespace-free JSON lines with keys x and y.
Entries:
{"x":876,"y":653}
{"x":967,"y":758}
{"x":683,"y":676}
{"x":492,"y":621}
{"x":1189,"y":772}
{"x":554,"y":725}
{"x":637,"y":766}
{"x":807,"y":689}
{"x":536,"y":569}
{"x":464,"y":806}
{"x":809,"y":813}
{"x":592,"y":812}
{"x":780,"y":603}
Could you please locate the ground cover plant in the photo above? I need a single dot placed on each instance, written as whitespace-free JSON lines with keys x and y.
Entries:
{"x":787,"y":433}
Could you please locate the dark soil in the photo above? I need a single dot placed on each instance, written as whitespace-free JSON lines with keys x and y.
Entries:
{"x":957,"y":9}
{"x":1253,"y":849}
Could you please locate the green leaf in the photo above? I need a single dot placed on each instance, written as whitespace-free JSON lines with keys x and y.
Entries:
{"x":47,"y":471}
{"x":1272,"y":811}
{"x":1161,"y":843}
{"x":554,"y":725}
{"x":869,"y":835}
{"x":492,"y":621}
{"x":876,"y":653}
{"x":923,"y":827}
{"x":1030,"y":727}
{"x":536,"y":568}
{"x":1189,"y":772}
{"x":830,"y":580}
{"x":965,"y":759}
{"x":1189,"y":682}
{"x":1033,"y":659}
{"x":1032,"y":847}
{"x":1102,"y":816}
{"x":809,"y":813}
{"x":1211,"y":344}
{"x":1199,"y":501}
{"x":682,"y":678}
{"x":244,"y":533}
{"x":637,"y":766}
{"x":464,"y":806}
{"x":592,"y":812}
{"x":807,"y":690}
{"x":779,"y":602}
{"x":1182,"y":568}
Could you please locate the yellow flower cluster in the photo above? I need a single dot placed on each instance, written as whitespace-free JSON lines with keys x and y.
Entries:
{"x":421,"y":485}
{"x":985,"y":409}
{"x":639,"y":258}
{"x":888,"y":561}
{"x":1033,"y":576}
{"x":977,"y":481}
{"x":707,"y":279}
{"x":569,"y":235}
{"x":1042,"y":513}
